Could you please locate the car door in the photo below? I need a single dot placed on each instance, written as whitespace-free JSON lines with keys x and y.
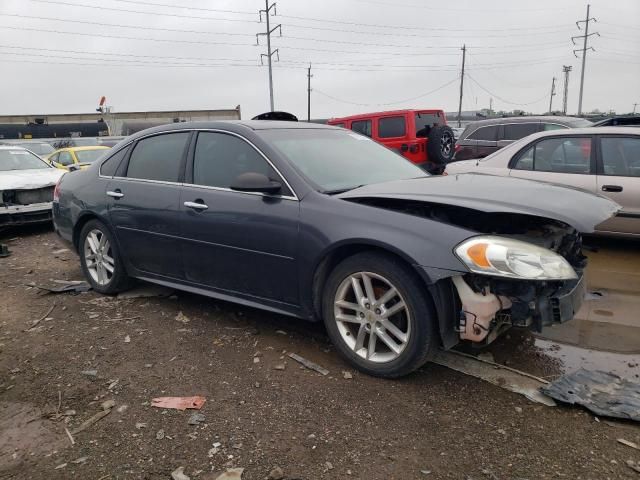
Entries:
{"x":484,"y":141}
{"x":566,"y":160}
{"x":515,"y":131}
{"x":619,"y":179}
{"x":237,"y":242}
{"x":143,"y":199}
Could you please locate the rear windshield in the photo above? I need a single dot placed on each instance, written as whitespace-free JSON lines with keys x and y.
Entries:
{"x":581,"y":122}
{"x":90,"y":156}
{"x":424,"y":122}
{"x":20,"y":160}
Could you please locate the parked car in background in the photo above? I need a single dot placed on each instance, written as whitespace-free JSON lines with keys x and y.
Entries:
{"x":26,"y":187}
{"x":484,"y":137}
{"x":422,"y":136}
{"x":79,"y":157}
{"x":604,"y":160}
{"x":318,"y":222}
{"x":621,"y":121}
{"x":40,"y":148}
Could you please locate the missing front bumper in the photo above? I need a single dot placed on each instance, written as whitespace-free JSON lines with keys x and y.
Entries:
{"x":560,"y":307}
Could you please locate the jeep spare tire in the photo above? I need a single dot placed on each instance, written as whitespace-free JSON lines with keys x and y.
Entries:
{"x":441,"y":144}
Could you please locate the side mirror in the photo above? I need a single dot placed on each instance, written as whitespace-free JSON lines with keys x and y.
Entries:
{"x":255,"y":182}
{"x":73,"y":167}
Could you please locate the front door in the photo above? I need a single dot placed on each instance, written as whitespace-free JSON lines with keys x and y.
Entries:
{"x":619,"y":179}
{"x":143,"y":204}
{"x":237,"y":242}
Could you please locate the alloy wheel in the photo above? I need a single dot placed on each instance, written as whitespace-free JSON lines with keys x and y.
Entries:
{"x":98,"y":257}
{"x":372,"y":317}
{"x":446,"y":144}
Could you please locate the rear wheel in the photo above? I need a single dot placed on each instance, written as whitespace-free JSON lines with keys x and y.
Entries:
{"x":100,"y":259}
{"x":378,"y":315}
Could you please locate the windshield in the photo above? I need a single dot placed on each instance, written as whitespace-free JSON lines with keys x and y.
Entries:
{"x":38,"y":148}
{"x":337,"y":160}
{"x":19,"y":159}
{"x":424,"y":122}
{"x":89,"y":156}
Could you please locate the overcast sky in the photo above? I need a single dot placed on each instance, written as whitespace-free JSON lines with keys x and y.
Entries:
{"x":366,"y":55}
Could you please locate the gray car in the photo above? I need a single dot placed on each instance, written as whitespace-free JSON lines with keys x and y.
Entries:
{"x":603,"y":160}
{"x":322,"y":223}
{"x":485,"y":137}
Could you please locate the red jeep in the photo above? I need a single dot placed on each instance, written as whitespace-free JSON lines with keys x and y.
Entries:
{"x":421,"y":136}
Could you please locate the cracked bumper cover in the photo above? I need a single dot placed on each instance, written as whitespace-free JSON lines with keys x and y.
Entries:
{"x":561,"y":306}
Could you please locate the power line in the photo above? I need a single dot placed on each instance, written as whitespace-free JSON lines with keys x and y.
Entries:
{"x":389,"y":103}
{"x":217,"y":10}
{"x":504,"y":100}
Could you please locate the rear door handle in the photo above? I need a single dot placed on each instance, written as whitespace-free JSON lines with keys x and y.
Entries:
{"x":196,"y":205}
{"x":115,"y":194}
{"x":611,"y":188}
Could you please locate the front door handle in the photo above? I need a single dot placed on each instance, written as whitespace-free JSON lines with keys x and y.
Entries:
{"x":115,"y":193}
{"x":611,"y":188}
{"x":196,"y":205}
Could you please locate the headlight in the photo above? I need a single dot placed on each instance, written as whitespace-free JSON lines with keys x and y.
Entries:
{"x":504,"y":257}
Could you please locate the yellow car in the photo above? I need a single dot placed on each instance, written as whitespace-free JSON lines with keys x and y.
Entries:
{"x":80,"y":157}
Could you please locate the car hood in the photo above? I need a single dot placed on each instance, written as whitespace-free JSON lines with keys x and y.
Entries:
{"x":492,"y":194}
{"x":28,"y":179}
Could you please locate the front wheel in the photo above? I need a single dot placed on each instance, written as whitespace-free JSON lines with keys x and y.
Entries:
{"x":100,"y":259}
{"x":379,"y":315}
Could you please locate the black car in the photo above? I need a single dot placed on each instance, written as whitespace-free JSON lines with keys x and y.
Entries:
{"x":482,"y":138}
{"x":319,"y":222}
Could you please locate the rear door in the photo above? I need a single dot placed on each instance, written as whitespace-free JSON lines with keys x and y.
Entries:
{"x":484,"y":141}
{"x":566,"y":160}
{"x":515,"y":131}
{"x":619,"y":179}
{"x":143,"y":200}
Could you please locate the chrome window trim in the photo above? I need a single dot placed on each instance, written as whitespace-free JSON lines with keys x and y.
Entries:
{"x":207,"y":187}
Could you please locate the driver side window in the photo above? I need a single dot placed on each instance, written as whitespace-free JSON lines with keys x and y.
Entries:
{"x":65,"y":159}
{"x":220,"y":158}
{"x":561,"y":155}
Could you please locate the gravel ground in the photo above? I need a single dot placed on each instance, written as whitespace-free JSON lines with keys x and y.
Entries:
{"x":435,"y":423}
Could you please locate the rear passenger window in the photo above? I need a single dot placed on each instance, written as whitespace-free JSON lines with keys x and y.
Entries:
{"x":485,"y":133}
{"x":362,"y":126}
{"x":621,"y":156}
{"x":110,"y":166}
{"x":561,"y":155}
{"x":516,"y":131}
{"x":220,"y":158}
{"x":158,"y":158}
{"x":391,"y":127}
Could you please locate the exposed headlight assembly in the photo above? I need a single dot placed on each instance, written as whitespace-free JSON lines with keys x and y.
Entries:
{"x":505,"y":257}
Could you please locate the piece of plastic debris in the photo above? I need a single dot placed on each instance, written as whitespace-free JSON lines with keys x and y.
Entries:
{"x":71,"y":287}
{"x":628,"y":443}
{"x":603,"y":393}
{"x":179,"y":403}
{"x":178,"y":474}
{"x":196,"y":419}
{"x":90,"y":373}
{"x":347,"y":375}
{"x":279,"y":366}
{"x":182,"y":318}
{"x":309,"y":364}
{"x":231,"y":474}
{"x":127,"y":339}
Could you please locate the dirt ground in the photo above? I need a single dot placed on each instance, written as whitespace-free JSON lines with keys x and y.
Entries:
{"x":436,"y":423}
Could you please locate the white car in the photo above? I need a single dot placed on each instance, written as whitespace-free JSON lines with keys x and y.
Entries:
{"x":26,"y":187}
{"x":603,"y":160}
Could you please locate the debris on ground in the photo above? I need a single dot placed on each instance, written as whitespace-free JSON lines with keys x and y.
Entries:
{"x":71,"y":439}
{"x":178,"y":474}
{"x":182,"y":318}
{"x":196,"y":419}
{"x":276,"y":474}
{"x":4,"y":250}
{"x":60,"y":252}
{"x":160,"y":434}
{"x":75,"y":286}
{"x":635,"y":466}
{"x":496,"y":374}
{"x":140,"y":425}
{"x":347,"y":375}
{"x":603,"y":393}
{"x":90,"y":373}
{"x":106,"y":406}
{"x":309,"y":364}
{"x":179,"y":403}
{"x":231,"y":474}
{"x":147,"y":290}
{"x":279,"y":366}
{"x":80,"y":460}
{"x":127,"y":339}
{"x":35,"y":323}
{"x":628,"y":443}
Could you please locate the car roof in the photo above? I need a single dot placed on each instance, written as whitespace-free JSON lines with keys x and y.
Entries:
{"x":526,"y":119}
{"x":387,"y":112}
{"x":586,"y":131}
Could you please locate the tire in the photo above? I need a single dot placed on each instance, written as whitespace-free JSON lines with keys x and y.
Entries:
{"x":415,"y":333}
{"x":441,"y":145}
{"x":115,"y":281}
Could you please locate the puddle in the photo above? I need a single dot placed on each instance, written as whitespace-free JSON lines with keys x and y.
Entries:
{"x":572,"y":358}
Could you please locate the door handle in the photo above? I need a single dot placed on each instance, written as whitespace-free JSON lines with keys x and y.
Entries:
{"x":196,"y":205}
{"x":611,"y":188}
{"x":115,"y":194}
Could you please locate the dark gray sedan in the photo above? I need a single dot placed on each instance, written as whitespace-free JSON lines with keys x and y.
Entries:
{"x":322,"y":223}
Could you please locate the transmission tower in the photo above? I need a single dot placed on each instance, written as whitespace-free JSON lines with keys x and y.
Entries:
{"x":584,"y":50}
{"x":269,"y":53}
{"x":566,"y":69}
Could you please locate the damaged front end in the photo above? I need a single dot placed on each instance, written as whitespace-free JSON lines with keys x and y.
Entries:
{"x":23,"y":206}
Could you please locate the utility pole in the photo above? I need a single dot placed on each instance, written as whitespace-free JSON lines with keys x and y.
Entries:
{"x":490,"y":105}
{"x":309,"y":93}
{"x":584,"y":49}
{"x":464,"y":54}
{"x":269,"y":53}
{"x":566,"y":69}
{"x":634,"y":108}
{"x":553,"y":92}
